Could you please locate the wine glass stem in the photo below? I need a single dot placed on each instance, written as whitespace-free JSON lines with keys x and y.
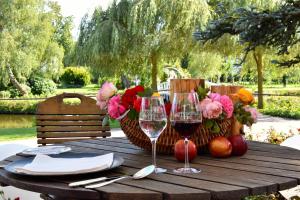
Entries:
{"x":186,"y":152}
{"x":153,"y":142}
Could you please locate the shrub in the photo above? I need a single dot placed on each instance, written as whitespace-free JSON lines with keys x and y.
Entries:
{"x":76,"y":76}
{"x":288,"y":107}
{"x":18,"y":107}
{"x":103,"y":79}
{"x":278,"y":137}
{"x":4,"y":94}
{"x":14,"y":92}
{"x":42,"y":86}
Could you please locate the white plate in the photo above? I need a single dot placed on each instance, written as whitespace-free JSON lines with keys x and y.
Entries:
{"x":22,"y":162}
{"x":46,"y":150}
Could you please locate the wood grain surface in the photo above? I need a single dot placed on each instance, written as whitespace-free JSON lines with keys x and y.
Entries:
{"x":265,"y":168}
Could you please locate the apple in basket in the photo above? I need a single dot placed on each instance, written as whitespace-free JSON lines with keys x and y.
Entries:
{"x":179,"y":150}
{"x":220,"y":147}
{"x":239,"y":145}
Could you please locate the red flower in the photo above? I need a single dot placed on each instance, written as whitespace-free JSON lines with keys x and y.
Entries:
{"x":128,"y":98}
{"x":168,"y":107}
{"x":18,"y":198}
{"x":138,"y":89}
{"x":137,"y":104}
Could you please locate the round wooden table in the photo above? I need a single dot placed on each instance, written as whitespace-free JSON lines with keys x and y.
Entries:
{"x":264,"y":169}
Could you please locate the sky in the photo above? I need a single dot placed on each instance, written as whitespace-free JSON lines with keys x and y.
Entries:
{"x":78,"y":8}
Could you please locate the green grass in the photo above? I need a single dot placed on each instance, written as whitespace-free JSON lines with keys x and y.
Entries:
{"x":89,"y":89}
{"x":9,"y":134}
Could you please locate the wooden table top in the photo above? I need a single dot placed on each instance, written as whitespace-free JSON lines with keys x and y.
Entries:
{"x":265,"y":168}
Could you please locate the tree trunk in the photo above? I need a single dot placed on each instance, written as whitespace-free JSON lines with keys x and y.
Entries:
{"x":154,"y":71}
{"x":15,"y":82}
{"x":284,"y":80}
{"x":257,"y":54}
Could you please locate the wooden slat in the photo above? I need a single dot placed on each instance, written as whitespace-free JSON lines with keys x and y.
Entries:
{"x":73,"y":134}
{"x":69,"y":117}
{"x":61,"y":140}
{"x":282,"y":181}
{"x":72,"y":128}
{"x":221,"y":187}
{"x":124,"y":192}
{"x":68,"y":123}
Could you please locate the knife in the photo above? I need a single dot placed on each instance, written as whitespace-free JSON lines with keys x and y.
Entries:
{"x":89,"y":181}
{"x":97,"y":185}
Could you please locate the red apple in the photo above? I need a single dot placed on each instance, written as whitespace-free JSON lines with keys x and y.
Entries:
{"x":220,"y":147}
{"x":179,"y":150}
{"x":239,"y":145}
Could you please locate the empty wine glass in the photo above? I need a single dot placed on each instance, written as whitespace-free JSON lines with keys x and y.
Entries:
{"x":185,"y":119}
{"x":153,"y":121}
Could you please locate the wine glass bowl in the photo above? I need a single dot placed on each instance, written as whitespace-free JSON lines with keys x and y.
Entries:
{"x":185,"y":118}
{"x":153,"y":120}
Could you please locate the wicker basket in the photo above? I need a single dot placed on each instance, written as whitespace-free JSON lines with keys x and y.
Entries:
{"x":169,"y":137}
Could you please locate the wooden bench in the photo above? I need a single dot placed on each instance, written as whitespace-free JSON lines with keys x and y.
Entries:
{"x":59,"y":122}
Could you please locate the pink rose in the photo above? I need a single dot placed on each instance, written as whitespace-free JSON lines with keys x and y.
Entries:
{"x":227,"y":105}
{"x":107,"y":90}
{"x":253,"y":112}
{"x":102,"y":104}
{"x":215,"y":96}
{"x":115,"y":109}
{"x":210,"y":109}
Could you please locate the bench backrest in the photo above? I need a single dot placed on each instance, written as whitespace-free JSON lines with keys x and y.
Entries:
{"x":59,"y":122}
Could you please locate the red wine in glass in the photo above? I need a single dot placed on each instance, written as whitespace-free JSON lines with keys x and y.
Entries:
{"x":185,"y":128}
{"x":185,"y":118}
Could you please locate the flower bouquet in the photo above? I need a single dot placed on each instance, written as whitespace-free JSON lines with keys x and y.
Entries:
{"x":217,"y":112}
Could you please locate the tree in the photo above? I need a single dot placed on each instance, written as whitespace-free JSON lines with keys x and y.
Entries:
{"x":257,"y":29}
{"x":141,"y":33}
{"x":27,"y":30}
{"x":62,"y":31}
{"x":164,"y":29}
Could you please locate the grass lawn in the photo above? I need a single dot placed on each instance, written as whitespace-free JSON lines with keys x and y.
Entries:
{"x":9,"y":134}
{"x":89,"y":89}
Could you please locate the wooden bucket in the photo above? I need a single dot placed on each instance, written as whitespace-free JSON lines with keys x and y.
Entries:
{"x":184,"y":85}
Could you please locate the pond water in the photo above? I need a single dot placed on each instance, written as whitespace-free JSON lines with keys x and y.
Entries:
{"x":17,"y":121}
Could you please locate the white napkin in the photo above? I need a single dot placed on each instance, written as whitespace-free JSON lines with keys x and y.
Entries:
{"x":46,"y":165}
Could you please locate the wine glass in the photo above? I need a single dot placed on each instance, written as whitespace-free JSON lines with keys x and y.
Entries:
{"x":185,"y":119}
{"x":153,"y":120}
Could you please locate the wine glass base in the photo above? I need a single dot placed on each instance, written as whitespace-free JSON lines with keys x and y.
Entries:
{"x":159,"y":170}
{"x":188,"y":170}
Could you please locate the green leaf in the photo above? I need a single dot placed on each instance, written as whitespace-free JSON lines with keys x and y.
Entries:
{"x":202,"y":92}
{"x":133,"y":114}
{"x":147,"y":93}
{"x":215,"y":128}
{"x":105,"y":121}
{"x":209,"y":124}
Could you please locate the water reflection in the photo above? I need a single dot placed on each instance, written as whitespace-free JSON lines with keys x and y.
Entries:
{"x":17,"y":121}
